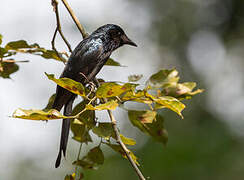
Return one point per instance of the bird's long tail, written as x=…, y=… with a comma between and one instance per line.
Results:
x=65, y=131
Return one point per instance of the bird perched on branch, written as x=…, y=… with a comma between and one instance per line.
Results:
x=85, y=62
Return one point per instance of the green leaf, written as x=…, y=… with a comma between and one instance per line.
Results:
x=50, y=54
x=118, y=149
x=38, y=114
x=50, y=103
x=144, y=116
x=23, y=47
x=85, y=164
x=94, y=158
x=87, y=117
x=134, y=78
x=3, y=51
x=110, y=105
x=163, y=78
x=96, y=155
x=7, y=68
x=139, y=96
x=112, y=89
x=70, y=177
x=80, y=131
x=21, y=44
x=111, y=62
x=104, y=130
x=69, y=84
x=155, y=129
x=170, y=103
x=127, y=141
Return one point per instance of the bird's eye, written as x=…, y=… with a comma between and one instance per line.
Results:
x=119, y=33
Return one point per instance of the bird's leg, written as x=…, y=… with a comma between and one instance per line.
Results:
x=96, y=82
x=87, y=80
x=91, y=86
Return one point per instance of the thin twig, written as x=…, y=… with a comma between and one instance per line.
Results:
x=75, y=19
x=77, y=115
x=77, y=174
x=58, y=28
x=14, y=61
x=53, y=41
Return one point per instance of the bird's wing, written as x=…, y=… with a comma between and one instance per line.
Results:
x=82, y=61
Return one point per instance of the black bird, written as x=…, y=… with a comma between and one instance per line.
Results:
x=85, y=62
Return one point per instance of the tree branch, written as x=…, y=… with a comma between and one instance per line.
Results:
x=58, y=28
x=120, y=142
x=75, y=19
x=126, y=151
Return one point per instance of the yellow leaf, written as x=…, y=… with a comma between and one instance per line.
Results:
x=69, y=84
x=38, y=114
x=112, y=89
x=128, y=141
x=138, y=96
x=170, y=103
x=163, y=78
x=110, y=105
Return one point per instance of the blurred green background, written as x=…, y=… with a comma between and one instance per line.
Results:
x=203, y=39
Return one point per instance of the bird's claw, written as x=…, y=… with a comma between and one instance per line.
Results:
x=91, y=86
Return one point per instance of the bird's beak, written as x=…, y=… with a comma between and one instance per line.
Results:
x=126, y=40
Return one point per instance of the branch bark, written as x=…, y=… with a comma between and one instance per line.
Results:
x=120, y=142
x=126, y=151
x=58, y=28
x=75, y=19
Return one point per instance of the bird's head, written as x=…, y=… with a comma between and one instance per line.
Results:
x=114, y=35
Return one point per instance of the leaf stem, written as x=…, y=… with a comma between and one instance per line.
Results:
x=77, y=115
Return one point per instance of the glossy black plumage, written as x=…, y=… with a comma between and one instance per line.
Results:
x=87, y=59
